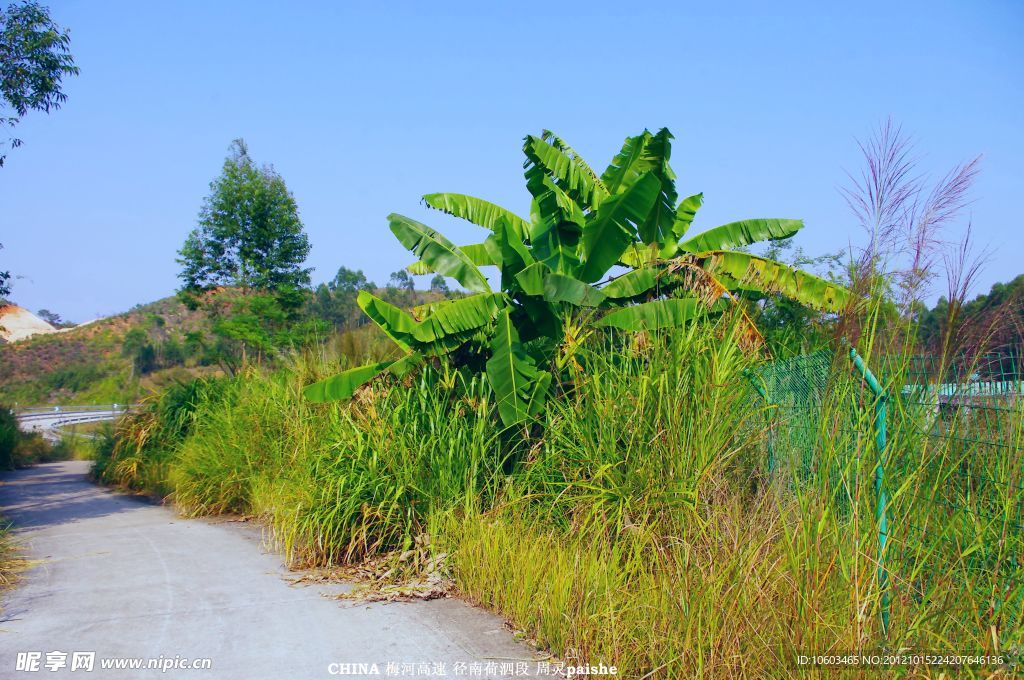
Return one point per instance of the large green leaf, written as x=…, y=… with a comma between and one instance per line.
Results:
x=568, y=170
x=561, y=288
x=558, y=225
x=344, y=385
x=506, y=248
x=614, y=226
x=771, y=277
x=631, y=284
x=685, y=212
x=627, y=166
x=478, y=211
x=531, y=278
x=739, y=234
x=657, y=227
x=519, y=386
x=438, y=252
x=476, y=252
x=649, y=316
x=405, y=364
x=560, y=144
x=458, y=316
x=396, y=323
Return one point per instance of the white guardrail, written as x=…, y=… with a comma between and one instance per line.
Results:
x=50, y=420
x=26, y=412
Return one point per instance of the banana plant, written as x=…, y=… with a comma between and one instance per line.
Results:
x=555, y=271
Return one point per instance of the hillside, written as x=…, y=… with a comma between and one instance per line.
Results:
x=124, y=357
x=17, y=323
x=86, y=363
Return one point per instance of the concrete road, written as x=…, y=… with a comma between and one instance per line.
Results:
x=125, y=578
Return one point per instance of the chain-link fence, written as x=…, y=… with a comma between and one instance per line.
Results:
x=945, y=440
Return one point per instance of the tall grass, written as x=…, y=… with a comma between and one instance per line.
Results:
x=643, y=529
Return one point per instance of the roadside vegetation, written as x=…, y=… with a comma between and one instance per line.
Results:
x=638, y=506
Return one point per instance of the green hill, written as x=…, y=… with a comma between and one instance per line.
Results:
x=87, y=363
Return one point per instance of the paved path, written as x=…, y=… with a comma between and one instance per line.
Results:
x=123, y=577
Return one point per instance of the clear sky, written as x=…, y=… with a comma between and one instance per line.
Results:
x=363, y=107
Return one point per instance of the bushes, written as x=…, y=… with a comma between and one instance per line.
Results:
x=9, y=438
x=21, y=449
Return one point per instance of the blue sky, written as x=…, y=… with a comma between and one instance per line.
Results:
x=363, y=107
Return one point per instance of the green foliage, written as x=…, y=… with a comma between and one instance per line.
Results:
x=249, y=235
x=34, y=60
x=995, y=318
x=75, y=378
x=335, y=301
x=581, y=226
x=21, y=449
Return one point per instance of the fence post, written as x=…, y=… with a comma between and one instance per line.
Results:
x=880, y=490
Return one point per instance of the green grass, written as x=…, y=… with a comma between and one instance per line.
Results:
x=642, y=530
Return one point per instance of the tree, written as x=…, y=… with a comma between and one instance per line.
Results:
x=249, y=235
x=34, y=59
x=401, y=280
x=552, y=268
x=50, y=318
x=137, y=347
x=249, y=240
x=5, y=281
x=335, y=301
x=349, y=281
x=439, y=285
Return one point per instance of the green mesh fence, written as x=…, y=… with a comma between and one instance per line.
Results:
x=950, y=491
x=958, y=490
x=794, y=390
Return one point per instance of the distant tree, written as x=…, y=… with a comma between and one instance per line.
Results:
x=249, y=239
x=335, y=301
x=349, y=281
x=195, y=345
x=137, y=347
x=439, y=285
x=400, y=289
x=172, y=352
x=249, y=235
x=35, y=57
x=402, y=281
x=5, y=281
x=50, y=318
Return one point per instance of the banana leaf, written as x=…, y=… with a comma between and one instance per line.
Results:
x=438, y=252
x=506, y=248
x=649, y=316
x=519, y=386
x=344, y=385
x=476, y=252
x=657, y=227
x=613, y=227
x=685, y=212
x=567, y=170
x=396, y=323
x=739, y=234
x=453, y=317
x=773, y=277
x=631, y=284
x=478, y=211
x=561, y=288
x=625, y=168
